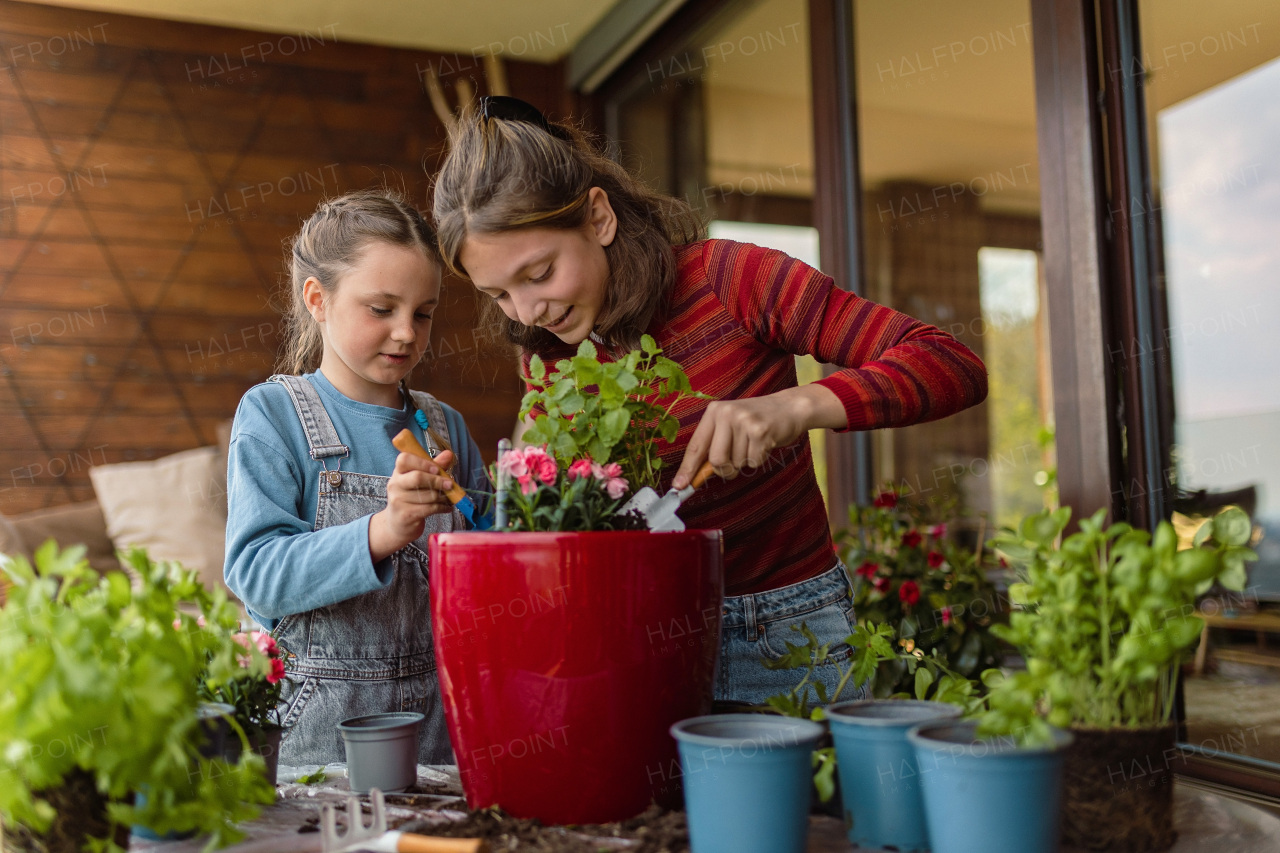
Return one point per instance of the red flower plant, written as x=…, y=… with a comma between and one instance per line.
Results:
x=267, y=645
x=254, y=694
x=867, y=570
x=946, y=616
x=886, y=500
x=909, y=592
x=938, y=531
x=911, y=539
x=881, y=585
x=935, y=560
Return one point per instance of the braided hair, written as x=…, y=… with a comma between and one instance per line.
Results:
x=328, y=246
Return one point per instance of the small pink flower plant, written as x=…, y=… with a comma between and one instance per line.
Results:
x=255, y=691
x=584, y=496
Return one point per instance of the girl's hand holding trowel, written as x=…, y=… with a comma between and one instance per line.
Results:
x=736, y=434
x=418, y=488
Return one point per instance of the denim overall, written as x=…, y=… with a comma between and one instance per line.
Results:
x=373, y=653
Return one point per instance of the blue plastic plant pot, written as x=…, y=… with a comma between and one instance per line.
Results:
x=989, y=796
x=879, y=778
x=382, y=751
x=747, y=779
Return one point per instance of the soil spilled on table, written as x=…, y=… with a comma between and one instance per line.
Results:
x=656, y=830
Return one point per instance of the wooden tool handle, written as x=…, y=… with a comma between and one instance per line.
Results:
x=410, y=843
x=699, y=478
x=405, y=442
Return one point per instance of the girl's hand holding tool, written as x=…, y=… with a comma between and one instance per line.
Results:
x=418, y=488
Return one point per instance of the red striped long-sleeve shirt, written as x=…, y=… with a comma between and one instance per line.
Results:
x=737, y=316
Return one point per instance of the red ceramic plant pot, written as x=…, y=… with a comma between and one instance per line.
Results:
x=564, y=658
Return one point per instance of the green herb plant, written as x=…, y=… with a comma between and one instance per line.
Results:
x=872, y=646
x=607, y=412
x=101, y=684
x=1105, y=619
x=315, y=778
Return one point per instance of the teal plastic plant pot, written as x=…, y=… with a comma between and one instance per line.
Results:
x=989, y=796
x=747, y=780
x=879, y=778
x=382, y=751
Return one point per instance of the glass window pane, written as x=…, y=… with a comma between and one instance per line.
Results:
x=702, y=123
x=951, y=212
x=1213, y=101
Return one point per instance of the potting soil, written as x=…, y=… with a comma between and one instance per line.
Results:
x=656, y=830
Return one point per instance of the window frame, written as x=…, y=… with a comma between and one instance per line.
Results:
x=1112, y=397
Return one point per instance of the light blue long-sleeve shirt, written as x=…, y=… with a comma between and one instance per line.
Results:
x=276, y=563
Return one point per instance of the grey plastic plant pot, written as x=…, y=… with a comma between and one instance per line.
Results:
x=382, y=751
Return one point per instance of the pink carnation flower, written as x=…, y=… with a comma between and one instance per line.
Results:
x=266, y=643
x=581, y=468
x=526, y=464
x=512, y=462
x=540, y=464
x=611, y=475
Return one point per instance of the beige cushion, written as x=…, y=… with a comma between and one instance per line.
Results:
x=71, y=524
x=175, y=507
x=10, y=539
x=10, y=546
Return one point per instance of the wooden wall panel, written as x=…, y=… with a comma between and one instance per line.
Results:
x=148, y=178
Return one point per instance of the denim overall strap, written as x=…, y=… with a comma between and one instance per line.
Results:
x=370, y=654
x=430, y=406
x=322, y=438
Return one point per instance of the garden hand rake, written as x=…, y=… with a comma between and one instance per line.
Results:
x=376, y=838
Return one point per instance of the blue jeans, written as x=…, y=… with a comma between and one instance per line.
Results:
x=757, y=627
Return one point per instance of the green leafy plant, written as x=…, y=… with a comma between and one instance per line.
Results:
x=607, y=412
x=543, y=497
x=101, y=688
x=872, y=646
x=1106, y=616
x=913, y=574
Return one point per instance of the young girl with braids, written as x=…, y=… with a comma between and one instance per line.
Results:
x=327, y=523
x=568, y=246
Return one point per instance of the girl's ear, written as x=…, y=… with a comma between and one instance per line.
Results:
x=603, y=221
x=313, y=298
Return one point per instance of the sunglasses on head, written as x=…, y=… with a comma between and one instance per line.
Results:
x=513, y=109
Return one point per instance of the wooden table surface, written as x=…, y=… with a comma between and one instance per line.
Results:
x=1207, y=822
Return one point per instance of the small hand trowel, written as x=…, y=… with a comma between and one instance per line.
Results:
x=660, y=512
